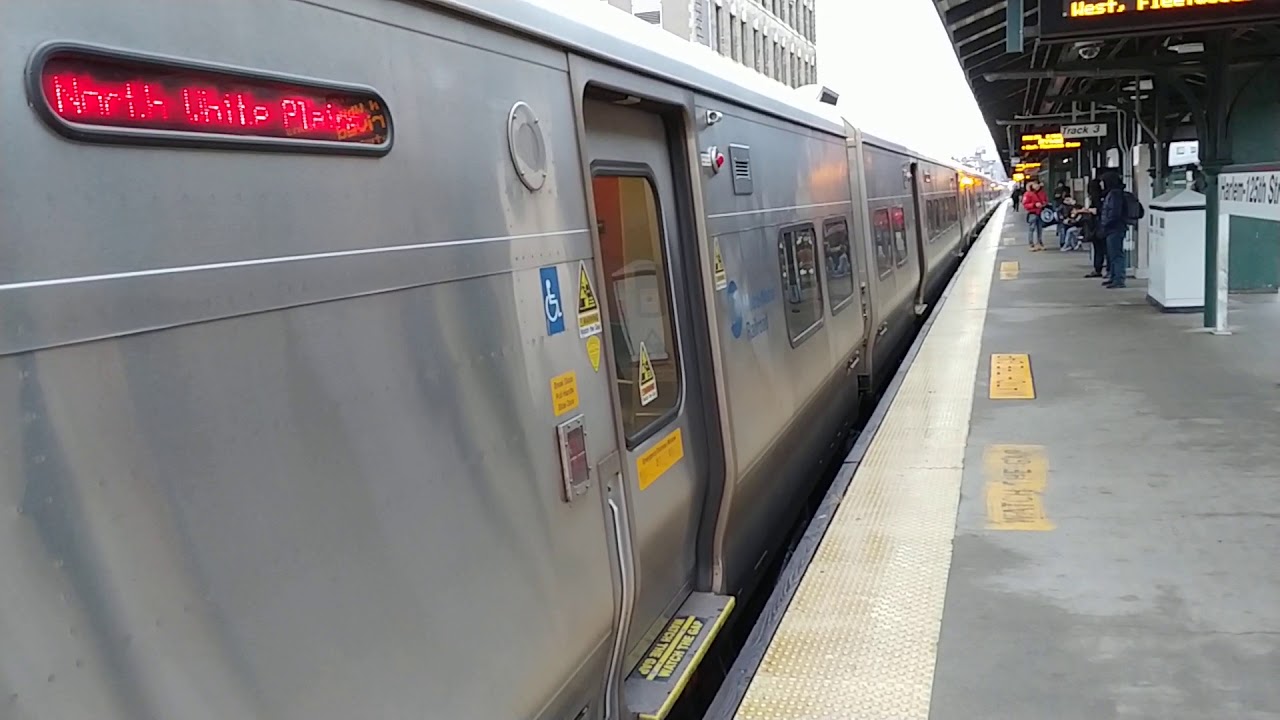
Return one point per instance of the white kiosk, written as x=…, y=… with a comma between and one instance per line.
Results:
x=1175, y=232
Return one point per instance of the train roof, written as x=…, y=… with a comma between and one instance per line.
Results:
x=904, y=150
x=597, y=29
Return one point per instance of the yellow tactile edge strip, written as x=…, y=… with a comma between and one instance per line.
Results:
x=859, y=639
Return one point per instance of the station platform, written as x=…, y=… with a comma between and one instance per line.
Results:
x=1088, y=527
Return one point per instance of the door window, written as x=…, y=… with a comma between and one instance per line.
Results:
x=884, y=241
x=646, y=357
x=839, y=260
x=899, y=235
x=798, y=261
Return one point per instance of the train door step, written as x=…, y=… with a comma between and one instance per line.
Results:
x=655, y=684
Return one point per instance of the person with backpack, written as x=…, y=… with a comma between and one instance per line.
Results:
x=1034, y=200
x=1120, y=209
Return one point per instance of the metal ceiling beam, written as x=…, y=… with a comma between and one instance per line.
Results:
x=1112, y=96
x=995, y=9
x=1009, y=61
x=1060, y=72
x=1045, y=119
x=986, y=28
x=997, y=43
x=1157, y=66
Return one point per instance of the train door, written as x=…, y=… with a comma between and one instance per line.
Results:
x=917, y=178
x=659, y=398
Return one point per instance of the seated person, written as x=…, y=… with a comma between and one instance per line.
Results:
x=1079, y=223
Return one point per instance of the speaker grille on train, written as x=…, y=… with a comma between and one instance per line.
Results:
x=740, y=161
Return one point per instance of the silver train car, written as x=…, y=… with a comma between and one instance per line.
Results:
x=457, y=359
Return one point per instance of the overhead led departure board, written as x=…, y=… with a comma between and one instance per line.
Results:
x=94, y=94
x=1047, y=142
x=1085, y=19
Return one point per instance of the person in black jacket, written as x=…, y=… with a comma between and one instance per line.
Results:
x=1096, y=237
x=1114, y=224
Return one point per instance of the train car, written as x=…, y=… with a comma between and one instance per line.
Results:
x=451, y=359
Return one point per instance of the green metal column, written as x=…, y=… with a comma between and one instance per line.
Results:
x=1211, y=208
x=1213, y=157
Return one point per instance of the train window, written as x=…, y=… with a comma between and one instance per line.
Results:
x=934, y=223
x=884, y=241
x=633, y=252
x=899, y=217
x=839, y=261
x=798, y=263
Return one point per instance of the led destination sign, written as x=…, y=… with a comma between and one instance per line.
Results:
x=93, y=94
x=1081, y=19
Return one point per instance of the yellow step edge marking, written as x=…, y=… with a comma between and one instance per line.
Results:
x=1009, y=270
x=1011, y=377
x=1017, y=476
x=694, y=662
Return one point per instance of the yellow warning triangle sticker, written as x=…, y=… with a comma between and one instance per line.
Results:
x=588, y=306
x=722, y=277
x=648, y=381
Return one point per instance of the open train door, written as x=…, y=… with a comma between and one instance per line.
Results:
x=648, y=287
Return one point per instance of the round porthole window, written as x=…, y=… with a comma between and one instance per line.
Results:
x=528, y=146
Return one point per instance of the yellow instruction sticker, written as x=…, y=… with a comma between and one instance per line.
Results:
x=564, y=392
x=593, y=352
x=670, y=649
x=660, y=458
x=648, y=380
x=588, y=306
x=722, y=277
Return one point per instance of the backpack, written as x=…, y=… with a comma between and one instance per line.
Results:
x=1133, y=210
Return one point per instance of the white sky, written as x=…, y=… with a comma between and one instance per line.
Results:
x=897, y=76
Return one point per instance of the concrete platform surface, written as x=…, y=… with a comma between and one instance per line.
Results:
x=1150, y=585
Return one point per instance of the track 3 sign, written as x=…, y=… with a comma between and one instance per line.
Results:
x=1085, y=19
x=1089, y=130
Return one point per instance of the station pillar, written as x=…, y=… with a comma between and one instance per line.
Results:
x=1211, y=122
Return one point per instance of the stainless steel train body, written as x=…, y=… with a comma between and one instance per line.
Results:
x=293, y=434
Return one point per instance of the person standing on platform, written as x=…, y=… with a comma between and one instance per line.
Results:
x=1060, y=192
x=1033, y=201
x=1114, y=225
x=1096, y=237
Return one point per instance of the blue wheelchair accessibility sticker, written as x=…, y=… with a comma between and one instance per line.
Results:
x=552, y=303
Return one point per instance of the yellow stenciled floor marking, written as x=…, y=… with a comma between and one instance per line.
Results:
x=1017, y=476
x=859, y=639
x=1011, y=377
x=1009, y=270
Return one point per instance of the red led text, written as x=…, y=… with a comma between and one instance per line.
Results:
x=172, y=103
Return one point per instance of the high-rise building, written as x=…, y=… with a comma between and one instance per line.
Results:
x=777, y=38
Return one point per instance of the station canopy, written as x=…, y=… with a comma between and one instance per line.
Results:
x=1078, y=54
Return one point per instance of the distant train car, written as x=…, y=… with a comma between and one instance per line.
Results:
x=451, y=359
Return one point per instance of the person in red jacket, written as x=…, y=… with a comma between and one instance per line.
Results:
x=1033, y=201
